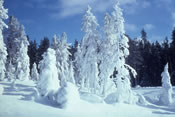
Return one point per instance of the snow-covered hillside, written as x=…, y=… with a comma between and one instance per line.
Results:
x=20, y=102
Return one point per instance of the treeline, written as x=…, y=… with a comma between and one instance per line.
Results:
x=147, y=58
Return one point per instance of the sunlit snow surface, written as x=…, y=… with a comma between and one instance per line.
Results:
x=20, y=102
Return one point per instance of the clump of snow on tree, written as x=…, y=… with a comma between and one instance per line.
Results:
x=166, y=92
x=48, y=83
x=68, y=96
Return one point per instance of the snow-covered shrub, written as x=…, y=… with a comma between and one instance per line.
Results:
x=48, y=83
x=68, y=96
x=34, y=73
x=166, y=92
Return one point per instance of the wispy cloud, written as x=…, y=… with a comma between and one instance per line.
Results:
x=130, y=27
x=148, y=26
x=74, y=7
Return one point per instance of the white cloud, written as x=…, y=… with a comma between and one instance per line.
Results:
x=74, y=7
x=148, y=26
x=66, y=8
x=130, y=27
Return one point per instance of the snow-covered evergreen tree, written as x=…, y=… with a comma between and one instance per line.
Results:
x=10, y=72
x=3, y=50
x=11, y=35
x=78, y=66
x=89, y=48
x=122, y=80
x=113, y=52
x=22, y=68
x=107, y=55
x=62, y=58
x=48, y=83
x=34, y=73
x=166, y=94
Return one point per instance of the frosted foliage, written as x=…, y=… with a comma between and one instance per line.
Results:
x=62, y=58
x=12, y=35
x=3, y=15
x=3, y=51
x=88, y=56
x=10, y=72
x=3, y=55
x=48, y=83
x=71, y=73
x=113, y=53
x=22, y=69
x=68, y=96
x=34, y=73
x=55, y=42
x=89, y=21
x=78, y=65
x=166, y=95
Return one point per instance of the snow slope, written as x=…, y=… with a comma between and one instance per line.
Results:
x=21, y=103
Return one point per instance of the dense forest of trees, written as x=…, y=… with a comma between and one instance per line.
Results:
x=147, y=58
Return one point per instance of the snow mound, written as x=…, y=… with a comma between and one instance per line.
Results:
x=68, y=96
x=91, y=97
x=1, y=90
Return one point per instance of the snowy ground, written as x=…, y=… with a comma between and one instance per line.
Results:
x=21, y=103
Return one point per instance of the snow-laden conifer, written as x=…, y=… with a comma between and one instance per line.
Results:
x=166, y=94
x=62, y=59
x=89, y=48
x=107, y=55
x=3, y=50
x=11, y=36
x=48, y=83
x=34, y=73
x=10, y=72
x=122, y=80
x=22, y=62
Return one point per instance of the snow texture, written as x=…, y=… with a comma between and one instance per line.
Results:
x=13, y=104
x=68, y=96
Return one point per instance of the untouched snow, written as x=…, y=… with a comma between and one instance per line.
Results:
x=21, y=103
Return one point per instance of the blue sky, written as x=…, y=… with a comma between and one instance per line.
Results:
x=48, y=17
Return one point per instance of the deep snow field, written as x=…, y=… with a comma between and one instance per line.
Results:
x=20, y=102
